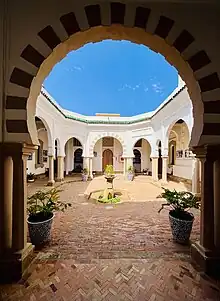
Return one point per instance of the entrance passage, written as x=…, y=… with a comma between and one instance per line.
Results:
x=160, y=161
x=78, y=160
x=107, y=158
x=137, y=161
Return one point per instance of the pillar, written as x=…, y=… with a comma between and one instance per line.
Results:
x=206, y=252
x=69, y=156
x=196, y=177
x=125, y=167
x=164, y=169
x=217, y=205
x=15, y=252
x=90, y=168
x=51, y=171
x=87, y=163
x=60, y=169
x=155, y=168
x=129, y=162
x=7, y=206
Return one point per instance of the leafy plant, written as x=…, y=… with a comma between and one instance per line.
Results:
x=30, y=176
x=85, y=171
x=42, y=204
x=109, y=171
x=110, y=199
x=179, y=202
x=130, y=169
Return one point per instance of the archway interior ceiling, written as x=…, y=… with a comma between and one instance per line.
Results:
x=163, y=29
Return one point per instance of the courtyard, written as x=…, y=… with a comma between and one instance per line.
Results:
x=118, y=251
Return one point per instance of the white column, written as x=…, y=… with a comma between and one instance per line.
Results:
x=125, y=167
x=69, y=156
x=196, y=176
x=164, y=169
x=129, y=162
x=60, y=168
x=86, y=162
x=51, y=171
x=155, y=168
x=90, y=168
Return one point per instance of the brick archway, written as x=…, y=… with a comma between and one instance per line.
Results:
x=114, y=21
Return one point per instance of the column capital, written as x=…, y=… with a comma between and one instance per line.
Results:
x=28, y=149
x=208, y=151
x=154, y=157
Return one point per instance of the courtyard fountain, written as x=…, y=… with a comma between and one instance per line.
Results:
x=108, y=195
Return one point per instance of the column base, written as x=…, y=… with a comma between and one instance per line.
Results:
x=50, y=183
x=207, y=260
x=13, y=266
x=60, y=180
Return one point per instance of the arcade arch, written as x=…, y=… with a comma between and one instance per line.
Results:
x=107, y=150
x=142, y=153
x=74, y=156
x=179, y=156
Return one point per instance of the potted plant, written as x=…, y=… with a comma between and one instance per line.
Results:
x=85, y=174
x=130, y=174
x=146, y=171
x=181, y=220
x=41, y=207
x=30, y=177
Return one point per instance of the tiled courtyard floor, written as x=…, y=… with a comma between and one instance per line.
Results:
x=112, y=252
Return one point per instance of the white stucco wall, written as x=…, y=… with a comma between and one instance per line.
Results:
x=31, y=168
x=97, y=161
x=183, y=168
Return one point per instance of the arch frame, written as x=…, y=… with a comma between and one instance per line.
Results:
x=49, y=132
x=103, y=135
x=169, y=129
x=147, y=140
x=156, y=39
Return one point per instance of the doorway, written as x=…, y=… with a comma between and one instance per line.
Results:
x=137, y=161
x=107, y=158
x=78, y=160
x=160, y=161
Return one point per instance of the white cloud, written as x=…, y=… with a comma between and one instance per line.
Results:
x=74, y=68
x=157, y=88
x=78, y=68
x=135, y=87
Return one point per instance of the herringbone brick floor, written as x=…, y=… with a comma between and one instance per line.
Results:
x=120, y=252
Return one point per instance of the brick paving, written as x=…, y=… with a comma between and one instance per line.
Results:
x=112, y=252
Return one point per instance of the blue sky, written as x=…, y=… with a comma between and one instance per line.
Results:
x=111, y=77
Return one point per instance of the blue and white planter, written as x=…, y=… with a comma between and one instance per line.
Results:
x=181, y=229
x=85, y=177
x=40, y=231
x=130, y=176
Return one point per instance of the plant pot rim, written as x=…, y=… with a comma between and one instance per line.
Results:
x=42, y=222
x=182, y=220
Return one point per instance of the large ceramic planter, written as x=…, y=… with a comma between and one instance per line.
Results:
x=84, y=178
x=40, y=231
x=181, y=228
x=30, y=180
x=130, y=176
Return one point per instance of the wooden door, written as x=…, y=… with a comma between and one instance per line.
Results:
x=107, y=158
